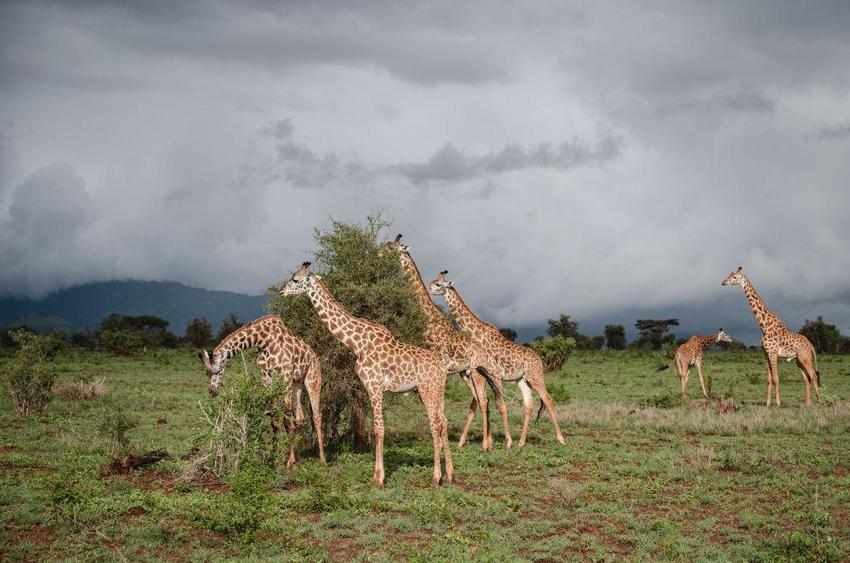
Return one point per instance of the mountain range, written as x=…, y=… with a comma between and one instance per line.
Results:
x=83, y=306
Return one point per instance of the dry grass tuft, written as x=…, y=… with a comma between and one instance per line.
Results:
x=82, y=391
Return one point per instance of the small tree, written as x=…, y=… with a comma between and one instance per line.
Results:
x=554, y=351
x=825, y=337
x=615, y=337
x=509, y=333
x=231, y=324
x=653, y=333
x=370, y=285
x=563, y=326
x=29, y=376
x=199, y=333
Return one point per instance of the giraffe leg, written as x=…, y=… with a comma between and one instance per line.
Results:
x=503, y=412
x=772, y=378
x=527, y=407
x=313, y=382
x=810, y=377
x=473, y=407
x=377, y=400
x=769, y=378
x=444, y=422
x=480, y=390
x=435, y=421
x=684, y=372
x=539, y=385
x=701, y=382
x=291, y=422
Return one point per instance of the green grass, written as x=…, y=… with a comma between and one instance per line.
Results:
x=632, y=481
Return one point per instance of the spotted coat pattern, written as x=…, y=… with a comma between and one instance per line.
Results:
x=691, y=353
x=779, y=341
x=458, y=351
x=282, y=354
x=517, y=363
x=384, y=363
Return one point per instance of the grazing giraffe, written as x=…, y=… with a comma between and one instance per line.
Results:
x=518, y=363
x=690, y=354
x=281, y=353
x=383, y=364
x=779, y=341
x=459, y=353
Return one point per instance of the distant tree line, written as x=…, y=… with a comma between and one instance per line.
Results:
x=130, y=334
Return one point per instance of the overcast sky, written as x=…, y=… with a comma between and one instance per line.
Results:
x=607, y=160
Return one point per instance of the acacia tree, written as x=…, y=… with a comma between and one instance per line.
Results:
x=653, y=333
x=369, y=285
x=615, y=337
x=825, y=337
x=199, y=333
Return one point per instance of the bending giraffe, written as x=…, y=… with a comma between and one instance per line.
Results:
x=690, y=354
x=383, y=364
x=458, y=352
x=283, y=354
x=779, y=341
x=518, y=363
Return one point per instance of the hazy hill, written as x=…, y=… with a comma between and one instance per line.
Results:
x=85, y=305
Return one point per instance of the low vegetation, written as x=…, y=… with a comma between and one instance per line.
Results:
x=634, y=480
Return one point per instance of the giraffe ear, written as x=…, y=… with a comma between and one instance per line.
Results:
x=738, y=270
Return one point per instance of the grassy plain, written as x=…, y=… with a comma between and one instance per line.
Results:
x=638, y=478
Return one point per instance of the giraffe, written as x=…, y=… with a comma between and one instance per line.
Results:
x=690, y=354
x=519, y=363
x=281, y=353
x=779, y=341
x=383, y=364
x=458, y=351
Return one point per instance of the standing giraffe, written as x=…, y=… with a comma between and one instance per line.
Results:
x=383, y=364
x=779, y=341
x=281, y=353
x=690, y=354
x=518, y=363
x=458, y=351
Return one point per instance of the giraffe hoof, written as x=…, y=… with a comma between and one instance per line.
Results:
x=450, y=477
x=436, y=481
x=508, y=444
x=561, y=440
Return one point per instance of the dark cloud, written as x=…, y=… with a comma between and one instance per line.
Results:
x=603, y=160
x=450, y=164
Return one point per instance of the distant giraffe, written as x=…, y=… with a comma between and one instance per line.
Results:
x=283, y=354
x=518, y=363
x=690, y=354
x=383, y=364
x=458, y=351
x=779, y=341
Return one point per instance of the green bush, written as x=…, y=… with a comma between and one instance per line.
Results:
x=371, y=285
x=554, y=351
x=240, y=512
x=121, y=342
x=237, y=429
x=666, y=401
x=112, y=427
x=29, y=376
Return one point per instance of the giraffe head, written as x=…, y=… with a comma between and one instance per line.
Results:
x=439, y=285
x=723, y=337
x=300, y=282
x=213, y=368
x=394, y=245
x=734, y=278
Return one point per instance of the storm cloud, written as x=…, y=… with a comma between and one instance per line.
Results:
x=604, y=160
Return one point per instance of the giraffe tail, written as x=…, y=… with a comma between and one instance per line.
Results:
x=662, y=368
x=490, y=381
x=817, y=373
x=539, y=411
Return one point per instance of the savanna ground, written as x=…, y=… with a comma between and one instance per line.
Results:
x=639, y=477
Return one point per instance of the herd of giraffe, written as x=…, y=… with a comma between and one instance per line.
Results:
x=478, y=352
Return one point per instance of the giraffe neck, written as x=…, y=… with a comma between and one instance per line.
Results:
x=462, y=314
x=764, y=316
x=432, y=312
x=707, y=342
x=337, y=319
x=233, y=344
